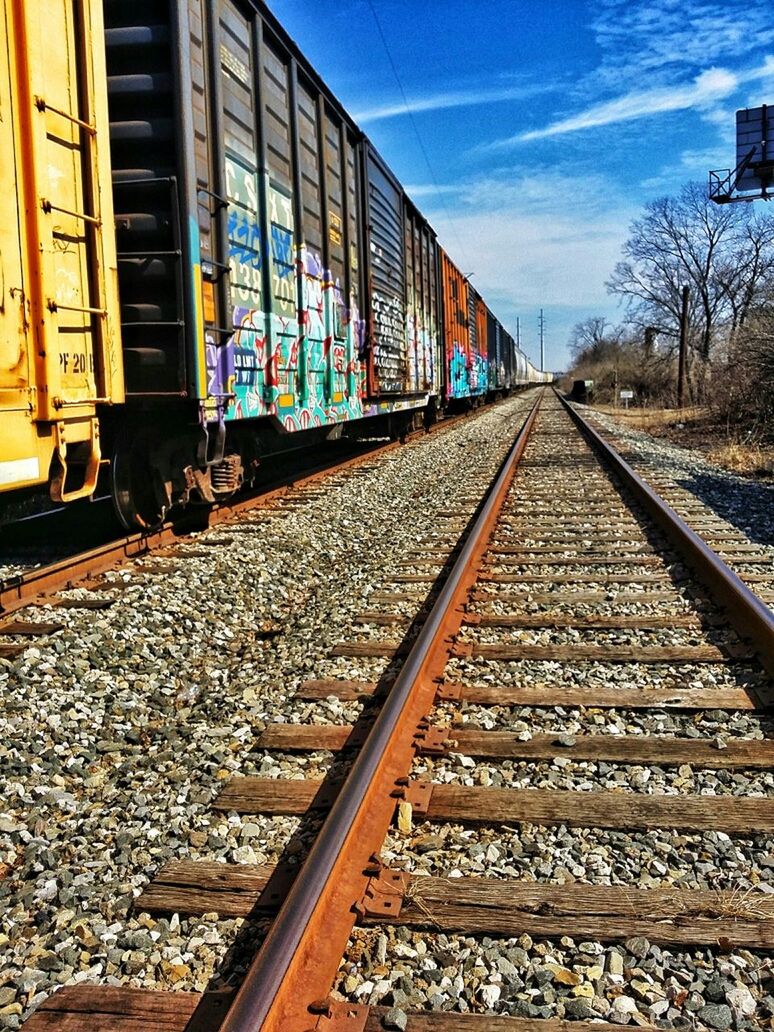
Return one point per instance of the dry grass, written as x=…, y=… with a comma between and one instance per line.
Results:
x=650, y=419
x=737, y=904
x=747, y=459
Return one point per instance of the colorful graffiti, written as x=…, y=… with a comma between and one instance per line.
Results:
x=296, y=354
x=421, y=351
x=468, y=374
x=390, y=351
x=298, y=347
x=478, y=373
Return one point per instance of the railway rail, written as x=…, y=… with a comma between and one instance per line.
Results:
x=22, y=587
x=606, y=602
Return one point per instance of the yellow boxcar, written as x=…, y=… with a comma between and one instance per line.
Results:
x=60, y=351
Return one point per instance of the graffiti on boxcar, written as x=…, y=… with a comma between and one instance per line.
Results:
x=421, y=350
x=299, y=356
x=477, y=371
x=458, y=373
x=244, y=235
x=389, y=342
x=283, y=265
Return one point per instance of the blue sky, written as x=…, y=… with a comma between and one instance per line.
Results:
x=546, y=126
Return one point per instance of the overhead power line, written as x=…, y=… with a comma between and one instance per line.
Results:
x=415, y=127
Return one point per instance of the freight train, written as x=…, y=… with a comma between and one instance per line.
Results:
x=202, y=257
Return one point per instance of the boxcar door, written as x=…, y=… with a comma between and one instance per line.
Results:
x=388, y=360
x=19, y=463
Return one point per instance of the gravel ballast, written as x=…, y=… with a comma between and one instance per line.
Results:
x=117, y=733
x=636, y=981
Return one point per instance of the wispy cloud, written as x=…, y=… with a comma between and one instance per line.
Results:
x=451, y=99
x=658, y=39
x=517, y=227
x=711, y=86
x=431, y=190
x=522, y=238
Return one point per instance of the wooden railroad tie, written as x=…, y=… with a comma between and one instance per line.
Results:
x=483, y=906
x=560, y=653
x=659, y=750
x=624, y=621
x=11, y=651
x=549, y=695
x=578, y=548
x=642, y=622
x=607, y=653
x=101, y=1008
x=547, y=579
x=573, y=597
x=29, y=629
x=474, y=805
x=577, y=559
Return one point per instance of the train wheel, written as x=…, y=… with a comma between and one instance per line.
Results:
x=131, y=482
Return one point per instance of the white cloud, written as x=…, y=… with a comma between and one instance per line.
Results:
x=430, y=190
x=533, y=240
x=708, y=89
x=450, y=99
x=657, y=39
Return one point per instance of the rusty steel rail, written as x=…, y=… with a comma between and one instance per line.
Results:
x=290, y=978
x=20, y=590
x=749, y=615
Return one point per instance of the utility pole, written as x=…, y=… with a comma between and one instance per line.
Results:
x=681, y=363
x=542, y=324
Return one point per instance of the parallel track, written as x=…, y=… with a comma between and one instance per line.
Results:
x=527, y=586
x=23, y=589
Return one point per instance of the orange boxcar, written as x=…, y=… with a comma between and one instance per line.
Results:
x=456, y=329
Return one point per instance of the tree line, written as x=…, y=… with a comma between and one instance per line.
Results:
x=724, y=255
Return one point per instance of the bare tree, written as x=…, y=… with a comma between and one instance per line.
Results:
x=619, y=356
x=590, y=334
x=747, y=272
x=725, y=254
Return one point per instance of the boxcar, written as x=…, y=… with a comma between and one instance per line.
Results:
x=496, y=337
x=465, y=364
x=482, y=342
x=423, y=315
x=261, y=252
x=258, y=272
x=237, y=196
x=400, y=257
x=510, y=360
x=60, y=360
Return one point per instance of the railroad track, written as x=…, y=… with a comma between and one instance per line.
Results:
x=24, y=582
x=576, y=597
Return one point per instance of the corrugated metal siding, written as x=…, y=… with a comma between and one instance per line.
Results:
x=244, y=245
x=354, y=243
x=482, y=339
x=279, y=361
x=422, y=304
x=456, y=329
x=311, y=201
x=59, y=350
x=509, y=358
x=203, y=158
x=494, y=352
x=388, y=358
x=477, y=361
x=473, y=321
x=242, y=250
x=147, y=186
x=342, y=350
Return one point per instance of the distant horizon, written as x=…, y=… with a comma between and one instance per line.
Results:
x=547, y=129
